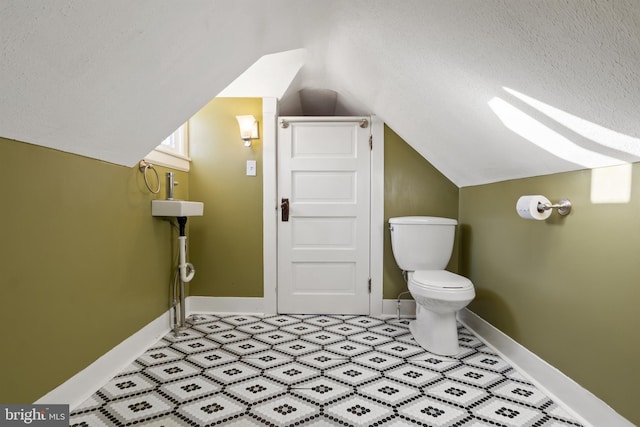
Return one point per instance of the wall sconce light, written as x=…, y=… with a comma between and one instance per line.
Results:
x=248, y=129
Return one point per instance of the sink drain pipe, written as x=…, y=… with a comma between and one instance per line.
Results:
x=185, y=273
x=186, y=268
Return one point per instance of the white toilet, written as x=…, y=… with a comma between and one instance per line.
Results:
x=422, y=247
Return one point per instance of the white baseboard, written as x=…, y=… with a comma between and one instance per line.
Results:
x=390, y=308
x=578, y=401
x=223, y=305
x=81, y=386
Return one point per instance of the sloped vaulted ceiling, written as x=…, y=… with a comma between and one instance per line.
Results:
x=485, y=90
x=439, y=73
x=111, y=79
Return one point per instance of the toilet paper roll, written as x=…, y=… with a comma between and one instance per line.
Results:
x=527, y=207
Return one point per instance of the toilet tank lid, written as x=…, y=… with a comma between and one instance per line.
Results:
x=422, y=220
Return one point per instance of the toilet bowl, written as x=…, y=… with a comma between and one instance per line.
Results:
x=422, y=247
x=439, y=294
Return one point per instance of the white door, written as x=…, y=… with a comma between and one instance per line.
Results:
x=323, y=245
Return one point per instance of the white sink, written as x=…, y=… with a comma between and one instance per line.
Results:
x=176, y=208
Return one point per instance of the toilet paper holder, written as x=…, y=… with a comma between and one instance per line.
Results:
x=563, y=206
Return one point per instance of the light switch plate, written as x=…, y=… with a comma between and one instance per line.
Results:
x=251, y=168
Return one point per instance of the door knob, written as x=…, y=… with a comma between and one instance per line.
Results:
x=284, y=206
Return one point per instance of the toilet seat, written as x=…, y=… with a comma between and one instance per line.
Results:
x=440, y=280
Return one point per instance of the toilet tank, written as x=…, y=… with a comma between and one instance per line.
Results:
x=422, y=242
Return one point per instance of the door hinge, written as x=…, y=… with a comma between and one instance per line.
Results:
x=369, y=284
x=370, y=142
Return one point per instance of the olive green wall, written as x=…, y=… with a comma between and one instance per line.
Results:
x=84, y=264
x=226, y=243
x=412, y=186
x=567, y=288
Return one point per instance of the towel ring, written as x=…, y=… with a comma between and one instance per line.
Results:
x=144, y=166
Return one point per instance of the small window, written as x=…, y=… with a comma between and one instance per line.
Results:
x=173, y=152
x=176, y=143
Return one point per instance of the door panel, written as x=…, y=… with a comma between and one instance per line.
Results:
x=323, y=250
x=323, y=278
x=323, y=141
x=322, y=233
x=323, y=187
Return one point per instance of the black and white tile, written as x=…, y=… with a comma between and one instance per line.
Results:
x=298, y=370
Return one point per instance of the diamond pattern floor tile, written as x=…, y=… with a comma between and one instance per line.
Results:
x=211, y=410
x=314, y=370
x=345, y=329
x=364, y=321
x=323, y=359
x=508, y=413
x=526, y=394
x=172, y=371
x=281, y=320
x=322, y=390
x=138, y=408
x=456, y=393
x=159, y=355
x=389, y=392
x=348, y=348
x=190, y=388
x=127, y=385
x=474, y=376
x=297, y=348
x=414, y=375
x=291, y=373
x=323, y=337
x=370, y=338
x=267, y=359
x=379, y=361
x=212, y=328
x=275, y=337
x=358, y=411
x=195, y=346
x=432, y=412
x=256, y=389
x=212, y=358
x=245, y=347
x=488, y=361
x=228, y=336
x=285, y=411
x=353, y=374
x=300, y=328
x=403, y=350
x=432, y=361
x=257, y=328
x=232, y=372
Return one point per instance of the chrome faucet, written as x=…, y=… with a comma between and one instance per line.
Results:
x=170, y=184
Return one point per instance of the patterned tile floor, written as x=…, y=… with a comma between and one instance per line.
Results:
x=288, y=370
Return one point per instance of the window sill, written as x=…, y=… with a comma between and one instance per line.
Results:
x=170, y=160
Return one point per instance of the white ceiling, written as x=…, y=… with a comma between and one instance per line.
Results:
x=485, y=90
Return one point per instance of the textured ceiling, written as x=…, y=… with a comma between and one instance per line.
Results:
x=485, y=90
x=111, y=79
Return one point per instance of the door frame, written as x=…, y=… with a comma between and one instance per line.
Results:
x=270, y=210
